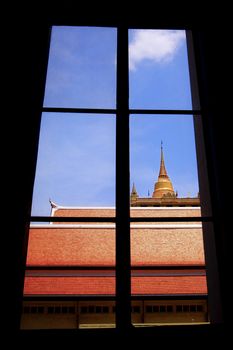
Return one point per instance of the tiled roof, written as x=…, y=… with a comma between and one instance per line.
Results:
x=158, y=285
x=134, y=212
x=72, y=245
x=84, y=212
x=91, y=246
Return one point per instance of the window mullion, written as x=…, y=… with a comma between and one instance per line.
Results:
x=123, y=288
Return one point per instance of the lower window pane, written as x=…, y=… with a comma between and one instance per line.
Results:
x=168, y=276
x=72, y=314
x=70, y=276
x=169, y=311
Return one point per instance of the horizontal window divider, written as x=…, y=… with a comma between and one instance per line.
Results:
x=164, y=111
x=113, y=219
x=79, y=110
x=106, y=273
x=97, y=268
x=114, y=110
x=167, y=273
x=62, y=297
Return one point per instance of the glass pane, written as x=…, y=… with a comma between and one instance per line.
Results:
x=158, y=70
x=82, y=68
x=167, y=254
x=76, y=162
x=84, y=245
x=52, y=315
x=70, y=277
x=174, y=137
x=153, y=312
x=168, y=271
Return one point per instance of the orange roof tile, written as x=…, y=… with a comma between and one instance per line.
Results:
x=84, y=212
x=90, y=246
x=70, y=245
x=134, y=212
x=171, y=285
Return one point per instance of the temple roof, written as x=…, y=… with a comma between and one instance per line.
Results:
x=105, y=285
x=70, y=245
x=165, y=211
x=78, y=258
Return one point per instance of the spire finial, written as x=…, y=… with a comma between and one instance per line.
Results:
x=163, y=187
x=162, y=170
x=134, y=188
x=134, y=193
x=53, y=205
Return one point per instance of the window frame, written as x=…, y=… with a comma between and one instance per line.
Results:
x=122, y=219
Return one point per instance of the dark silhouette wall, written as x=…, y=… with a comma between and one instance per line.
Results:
x=28, y=59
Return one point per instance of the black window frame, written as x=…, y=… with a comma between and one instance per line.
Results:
x=123, y=268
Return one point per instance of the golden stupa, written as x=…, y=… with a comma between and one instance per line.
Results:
x=163, y=187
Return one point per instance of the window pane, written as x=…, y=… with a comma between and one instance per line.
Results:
x=178, y=143
x=158, y=70
x=72, y=314
x=71, y=245
x=167, y=257
x=71, y=269
x=82, y=69
x=170, y=311
x=76, y=162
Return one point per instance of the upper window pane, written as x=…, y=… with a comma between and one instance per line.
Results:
x=82, y=70
x=158, y=70
x=76, y=161
x=177, y=149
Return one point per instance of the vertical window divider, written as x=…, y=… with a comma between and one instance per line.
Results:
x=123, y=282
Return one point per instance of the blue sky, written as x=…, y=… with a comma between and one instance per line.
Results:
x=76, y=157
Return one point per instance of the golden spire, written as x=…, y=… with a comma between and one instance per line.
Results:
x=163, y=187
x=134, y=193
x=162, y=171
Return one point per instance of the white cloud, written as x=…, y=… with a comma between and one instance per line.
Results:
x=158, y=46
